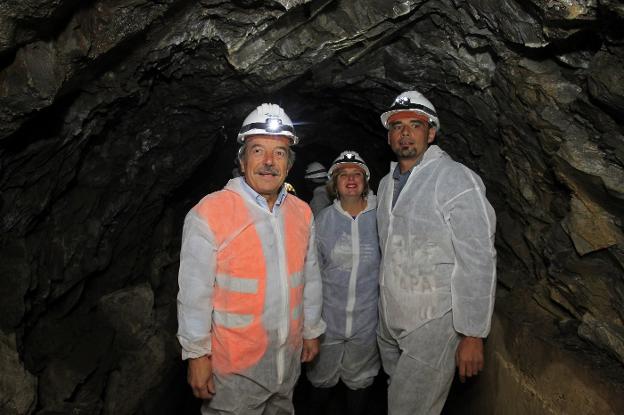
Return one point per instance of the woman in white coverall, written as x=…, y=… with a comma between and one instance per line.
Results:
x=349, y=258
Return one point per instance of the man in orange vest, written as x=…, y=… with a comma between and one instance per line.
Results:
x=249, y=304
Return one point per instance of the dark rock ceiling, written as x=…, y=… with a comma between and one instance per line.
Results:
x=116, y=116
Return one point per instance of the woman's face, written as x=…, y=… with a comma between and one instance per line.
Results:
x=350, y=183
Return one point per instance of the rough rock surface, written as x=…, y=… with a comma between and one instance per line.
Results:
x=18, y=387
x=116, y=116
x=535, y=369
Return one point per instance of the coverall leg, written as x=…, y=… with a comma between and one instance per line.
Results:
x=421, y=366
x=355, y=362
x=240, y=395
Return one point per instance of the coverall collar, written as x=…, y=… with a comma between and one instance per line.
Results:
x=433, y=152
x=239, y=184
x=371, y=203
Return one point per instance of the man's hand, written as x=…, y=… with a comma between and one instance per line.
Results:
x=310, y=349
x=200, y=377
x=469, y=357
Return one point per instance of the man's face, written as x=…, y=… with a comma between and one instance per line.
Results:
x=409, y=137
x=265, y=164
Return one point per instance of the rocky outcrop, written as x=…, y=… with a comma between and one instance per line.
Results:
x=528, y=372
x=116, y=116
x=18, y=387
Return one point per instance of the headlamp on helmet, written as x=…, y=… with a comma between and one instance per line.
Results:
x=412, y=101
x=349, y=157
x=268, y=119
x=273, y=124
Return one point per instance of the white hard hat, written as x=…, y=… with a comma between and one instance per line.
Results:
x=412, y=101
x=268, y=119
x=315, y=170
x=349, y=157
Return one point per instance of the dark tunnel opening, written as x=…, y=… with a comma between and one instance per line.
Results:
x=116, y=118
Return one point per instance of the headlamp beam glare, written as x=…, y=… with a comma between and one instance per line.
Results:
x=273, y=124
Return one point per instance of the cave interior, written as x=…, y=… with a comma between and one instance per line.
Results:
x=116, y=117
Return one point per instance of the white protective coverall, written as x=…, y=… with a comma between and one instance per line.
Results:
x=349, y=256
x=320, y=199
x=437, y=280
x=249, y=280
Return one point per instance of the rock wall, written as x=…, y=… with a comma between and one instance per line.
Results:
x=116, y=116
x=531, y=369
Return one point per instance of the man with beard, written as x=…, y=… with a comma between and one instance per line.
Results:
x=438, y=271
x=249, y=304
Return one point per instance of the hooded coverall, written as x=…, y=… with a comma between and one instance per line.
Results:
x=437, y=280
x=250, y=291
x=349, y=256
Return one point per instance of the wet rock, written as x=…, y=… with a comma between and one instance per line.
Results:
x=18, y=387
x=139, y=372
x=591, y=228
x=511, y=21
x=129, y=312
x=607, y=334
x=16, y=272
x=41, y=69
x=523, y=382
x=606, y=82
x=23, y=20
x=147, y=353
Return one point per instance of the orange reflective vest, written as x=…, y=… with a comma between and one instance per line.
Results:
x=239, y=338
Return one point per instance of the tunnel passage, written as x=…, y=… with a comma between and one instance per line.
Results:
x=116, y=117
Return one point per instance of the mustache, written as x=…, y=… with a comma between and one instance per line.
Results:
x=268, y=170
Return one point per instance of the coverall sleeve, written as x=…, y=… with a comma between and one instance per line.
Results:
x=472, y=224
x=198, y=257
x=313, y=324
